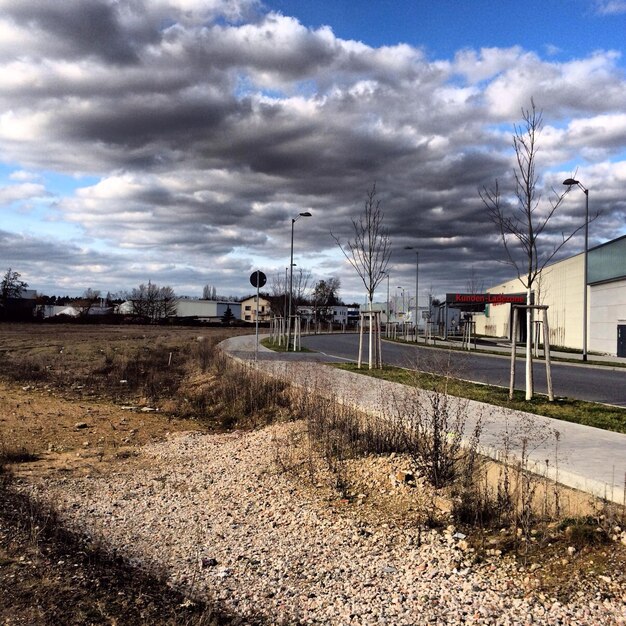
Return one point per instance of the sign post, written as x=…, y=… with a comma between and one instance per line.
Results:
x=257, y=279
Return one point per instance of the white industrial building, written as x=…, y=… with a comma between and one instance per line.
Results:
x=337, y=314
x=206, y=310
x=194, y=308
x=560, y=287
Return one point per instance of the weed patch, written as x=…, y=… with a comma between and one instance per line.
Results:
x=577, y=411
x=225, y=393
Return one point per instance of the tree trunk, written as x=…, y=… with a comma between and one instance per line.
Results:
x=529, y=353
x=371, y=337
x=361, y=321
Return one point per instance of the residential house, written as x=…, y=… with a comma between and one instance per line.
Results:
x=249, y=309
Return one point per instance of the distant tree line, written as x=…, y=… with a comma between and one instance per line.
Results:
x=152, y=303
x=322, y=296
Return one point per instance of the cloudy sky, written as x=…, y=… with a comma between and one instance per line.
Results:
x=174, y=140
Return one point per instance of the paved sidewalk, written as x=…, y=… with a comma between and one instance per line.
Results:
x=586, y=458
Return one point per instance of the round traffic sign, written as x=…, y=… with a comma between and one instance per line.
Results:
x=258, y=279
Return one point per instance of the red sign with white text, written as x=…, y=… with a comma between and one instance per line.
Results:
x=485, y=298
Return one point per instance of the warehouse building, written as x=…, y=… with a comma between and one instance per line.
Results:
x=560, y=286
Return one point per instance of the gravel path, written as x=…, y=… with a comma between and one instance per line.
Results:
x=216, y=513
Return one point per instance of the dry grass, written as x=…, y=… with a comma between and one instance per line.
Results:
x=63, y=408
x=504, y=506
x=58, y=376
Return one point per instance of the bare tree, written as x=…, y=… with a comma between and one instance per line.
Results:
x=87, y=301
x=474, y=283
x=209, y=293
x=325, y=296
x=11, y=286
x=279, y=289
x=301, y=286
x=370, y=250
x=166, y=302
x=523, y=221
x=140, y=300
x=153, y=302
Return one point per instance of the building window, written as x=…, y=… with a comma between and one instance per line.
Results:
x=248, y=307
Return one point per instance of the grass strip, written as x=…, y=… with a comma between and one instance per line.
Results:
x=578, y=411
x=273, y=345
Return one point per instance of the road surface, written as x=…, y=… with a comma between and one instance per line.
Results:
x=583, y=382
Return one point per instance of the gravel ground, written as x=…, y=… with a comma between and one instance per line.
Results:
x=221, y=518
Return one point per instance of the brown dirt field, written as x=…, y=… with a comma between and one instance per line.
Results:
x=85, y=399
x=56, y=415
x=60, y=414
x=70, y=435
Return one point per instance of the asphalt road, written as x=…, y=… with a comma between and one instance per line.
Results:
x=584, y=382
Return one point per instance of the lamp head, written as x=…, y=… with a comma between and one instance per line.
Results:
x=303, y=214
x=570, y=182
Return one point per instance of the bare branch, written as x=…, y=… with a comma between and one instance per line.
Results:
x=522, y=226
x=370, y=250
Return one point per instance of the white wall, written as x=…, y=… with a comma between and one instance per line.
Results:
x=608, y=309
x=560, y=287
x=206, y=309
x=196, y=308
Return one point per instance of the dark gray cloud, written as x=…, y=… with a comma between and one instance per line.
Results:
x=81, y=28
x=209, y=125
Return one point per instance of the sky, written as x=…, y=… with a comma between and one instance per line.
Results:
x=176, y=140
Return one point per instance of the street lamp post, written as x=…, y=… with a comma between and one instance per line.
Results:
x=403, y=313
x=417, y=283
x=388, y=306
x=285, y=304
x=293, y=221
x=570, y=182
